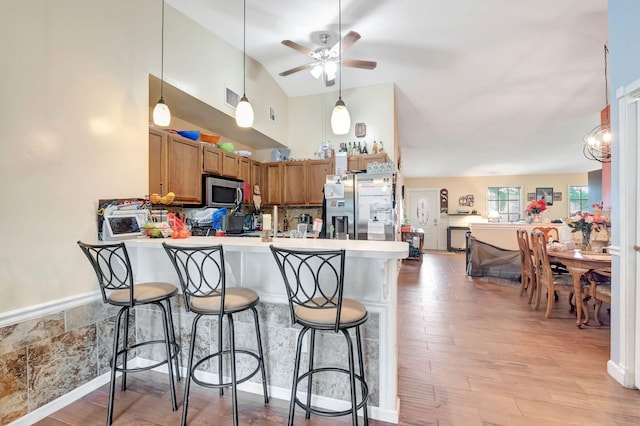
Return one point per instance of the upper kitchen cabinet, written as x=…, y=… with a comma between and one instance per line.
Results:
x=294, y=177
x=359, y=162
x=229, y=165
x=317, y=171
x=212, y=159
x=175, y=165
x=272, y=183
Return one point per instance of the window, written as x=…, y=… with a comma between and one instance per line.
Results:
x=578, y=199
x=506, y=200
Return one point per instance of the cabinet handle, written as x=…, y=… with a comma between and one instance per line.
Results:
x=636, y=247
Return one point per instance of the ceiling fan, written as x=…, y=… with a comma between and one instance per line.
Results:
x=325, y=58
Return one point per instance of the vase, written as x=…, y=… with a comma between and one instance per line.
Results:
x=586, y=240
x=536, y=218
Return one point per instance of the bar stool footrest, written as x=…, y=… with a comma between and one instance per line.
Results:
x=125, y=369
x=329, y=413
x=225, y=384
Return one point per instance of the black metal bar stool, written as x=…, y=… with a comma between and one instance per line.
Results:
x=315, y=282
x=202, y=276
x=113, y=269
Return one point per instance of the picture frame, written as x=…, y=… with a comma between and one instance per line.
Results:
x=360, y=130
x=531, y=196
x=557, y=196
x=545, y=194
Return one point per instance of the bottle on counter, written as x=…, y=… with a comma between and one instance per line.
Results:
x=374, y=148
x=381, y=149
x=359, y=148
x=364, y=148
x=285, y=224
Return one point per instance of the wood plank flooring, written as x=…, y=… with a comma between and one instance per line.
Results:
x=471, y=352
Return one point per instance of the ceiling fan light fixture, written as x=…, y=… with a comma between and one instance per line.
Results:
x=316, y=71
x=244, y=113
x=340, y=118
x=331, y=68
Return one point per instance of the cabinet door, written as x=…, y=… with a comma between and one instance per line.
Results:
x=212, y=160
x=273, y=184
x=256, y=173
x=294, y=183
x=244, y=173
x=184, y=168
x=317, y=171
x=157, y=161
x=229, y=164
x=372, y=158
x=353, y=162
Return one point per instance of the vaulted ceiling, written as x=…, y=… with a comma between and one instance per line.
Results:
x=491, y=87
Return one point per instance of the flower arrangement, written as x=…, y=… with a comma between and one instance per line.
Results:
x=586, y=222
x=536, y=206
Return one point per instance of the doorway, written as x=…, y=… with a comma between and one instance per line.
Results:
x=423, y=211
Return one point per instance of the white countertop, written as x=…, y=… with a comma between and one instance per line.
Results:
x=358, y=248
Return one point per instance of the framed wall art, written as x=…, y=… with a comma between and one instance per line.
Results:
x=557, y=196
x=545, y=194
x=531, y=196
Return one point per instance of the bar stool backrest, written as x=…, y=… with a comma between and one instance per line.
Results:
x=200, y=270
x=112, y=267
x=313, y=279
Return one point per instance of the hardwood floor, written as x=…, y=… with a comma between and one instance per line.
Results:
x=471, y=352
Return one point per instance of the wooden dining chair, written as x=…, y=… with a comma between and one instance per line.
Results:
x=600, y=290
x=550, y=233
x=527, y=272
x=545, y=277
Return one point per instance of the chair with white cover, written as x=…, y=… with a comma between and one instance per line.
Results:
x=113, y=269
x=201, y=271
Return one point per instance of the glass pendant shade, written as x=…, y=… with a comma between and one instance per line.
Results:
x=161, y=114
x=244, y=113
x=316, y=71
x=340, y=118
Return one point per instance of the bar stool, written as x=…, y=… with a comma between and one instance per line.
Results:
x=314, y=281
x=113, y=269
x=201, y=271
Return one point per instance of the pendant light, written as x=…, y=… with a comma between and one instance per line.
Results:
x=340, y=118
x=244, y=111
x=161, y=113
x=597, y=143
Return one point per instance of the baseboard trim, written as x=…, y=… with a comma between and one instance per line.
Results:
x=621, y=375
x=389, y=416
x=63, y=401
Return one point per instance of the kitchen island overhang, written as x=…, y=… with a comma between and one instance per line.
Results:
x=371, y=274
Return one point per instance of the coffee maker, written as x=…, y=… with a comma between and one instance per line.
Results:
x=307, y=220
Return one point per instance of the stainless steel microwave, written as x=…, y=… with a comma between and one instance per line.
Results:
x=220, y=192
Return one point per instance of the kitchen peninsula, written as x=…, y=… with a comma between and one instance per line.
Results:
x=370, y=277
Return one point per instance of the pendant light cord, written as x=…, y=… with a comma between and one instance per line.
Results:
x=244, y=49
x=340, y=47
x=162, y=56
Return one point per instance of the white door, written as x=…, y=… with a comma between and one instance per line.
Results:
x=423, y=211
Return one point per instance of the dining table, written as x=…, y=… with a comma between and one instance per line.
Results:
x=578, y=263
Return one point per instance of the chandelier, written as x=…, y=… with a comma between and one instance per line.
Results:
x=597, y=143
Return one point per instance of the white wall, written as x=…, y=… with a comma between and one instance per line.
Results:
x=74, y=108
x=309, y=118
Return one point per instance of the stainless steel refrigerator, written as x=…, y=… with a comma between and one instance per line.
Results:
x=361, y=206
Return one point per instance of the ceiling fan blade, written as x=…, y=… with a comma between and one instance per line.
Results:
x=296, y=69
x=349, y=38
x=356, y=63
x=299, y=48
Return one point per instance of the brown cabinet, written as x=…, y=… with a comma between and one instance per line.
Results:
x=359, y=162
x=229, y=164
x=212, y=159
x=317, y=171
x=272, y=183
x=294, y=182
x=175, y=165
